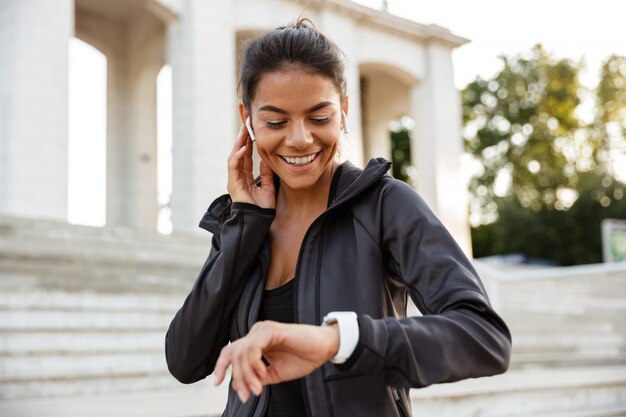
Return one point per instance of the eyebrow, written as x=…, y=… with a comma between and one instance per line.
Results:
x=269, y=107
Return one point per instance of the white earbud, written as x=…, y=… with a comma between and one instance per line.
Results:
x=345, y=121
x=250, y=131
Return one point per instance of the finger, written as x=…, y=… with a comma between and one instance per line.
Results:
x=235, y=182
x=240, y=142
x=248, y=371
x=239, y=383
x=267, y=177
x=240, y=139
x=248, y=164
x=235, y=160
x=223, y=361
x=260, y=369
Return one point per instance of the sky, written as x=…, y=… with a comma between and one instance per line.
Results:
x=575, y=29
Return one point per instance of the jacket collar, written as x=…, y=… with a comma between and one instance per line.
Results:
x=354, y=180
x=351, y=181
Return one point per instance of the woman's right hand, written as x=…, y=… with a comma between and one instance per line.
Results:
x=241, y=185
x=292, y=351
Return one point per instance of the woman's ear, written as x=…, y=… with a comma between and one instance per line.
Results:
x=344, y=115
x=243, y=112
x=245, y=119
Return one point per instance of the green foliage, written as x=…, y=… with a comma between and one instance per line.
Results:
x=401, y=154
x=545, y=182
x=569, y=238
x=611, y=91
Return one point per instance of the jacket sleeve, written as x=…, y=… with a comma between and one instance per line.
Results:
x=459, y=336
x=200, y=328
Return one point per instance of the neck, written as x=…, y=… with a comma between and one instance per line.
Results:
x=305, y=202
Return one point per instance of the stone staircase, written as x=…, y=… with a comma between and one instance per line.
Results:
x=84, y=311
x=562, y=317
x=571, y=392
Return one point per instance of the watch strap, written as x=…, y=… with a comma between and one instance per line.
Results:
x=348, y=326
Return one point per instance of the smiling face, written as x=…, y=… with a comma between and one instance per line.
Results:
x=296, y=117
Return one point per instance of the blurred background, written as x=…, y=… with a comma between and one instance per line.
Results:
x=116, y=119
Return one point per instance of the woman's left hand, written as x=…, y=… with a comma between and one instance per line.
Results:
x=293, y=351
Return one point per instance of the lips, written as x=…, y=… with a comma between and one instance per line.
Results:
x=300, y=160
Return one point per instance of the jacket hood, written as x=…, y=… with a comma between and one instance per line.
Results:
x=351, y=182
x=354, y=180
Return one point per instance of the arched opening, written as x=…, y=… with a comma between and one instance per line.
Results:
x=385, y=103
x=87, y=133
x=164, y=149
x=400, y=137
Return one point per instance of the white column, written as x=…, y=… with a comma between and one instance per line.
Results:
x=202, y=56
x=342, y=31
x=437, y=146
x=34, y=35
x=131, y=130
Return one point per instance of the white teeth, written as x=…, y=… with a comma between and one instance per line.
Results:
x=299, y=160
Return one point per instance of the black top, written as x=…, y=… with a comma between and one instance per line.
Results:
x=286, y=398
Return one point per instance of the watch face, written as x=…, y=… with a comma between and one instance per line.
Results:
x=329, y=320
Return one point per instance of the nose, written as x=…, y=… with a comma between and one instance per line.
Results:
x=299, y=137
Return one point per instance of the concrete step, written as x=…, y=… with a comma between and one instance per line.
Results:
x=36, y=234
x=611, y=343
x=616, y=411
x=592, y=391
x=562, y=323
x=581, y=392
x=40, y=254
x=19, y=320
x=583, y=282
x=20, y=368
x=105, y=277
x=563, y=360
x=159, y=383
x=90, y=341
x=173, y=400
x=38, y=299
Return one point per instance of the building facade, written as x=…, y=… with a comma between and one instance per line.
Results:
x=395, y=68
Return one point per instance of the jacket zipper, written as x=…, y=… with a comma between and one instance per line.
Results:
x=247, y=329
x=398, y=400
x=307, y=405
x=249, y=306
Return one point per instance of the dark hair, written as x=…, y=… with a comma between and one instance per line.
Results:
x=300, y=45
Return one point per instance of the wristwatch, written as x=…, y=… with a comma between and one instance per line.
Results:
x=348, y=333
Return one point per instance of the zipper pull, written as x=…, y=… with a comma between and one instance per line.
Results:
x=394, y=393
x=398, y=400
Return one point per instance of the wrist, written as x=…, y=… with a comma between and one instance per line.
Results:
x=332, y=336
x=347, y=326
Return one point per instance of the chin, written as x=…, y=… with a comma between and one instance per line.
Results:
x=303, y=181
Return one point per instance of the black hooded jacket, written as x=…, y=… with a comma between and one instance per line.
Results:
x=376, y=244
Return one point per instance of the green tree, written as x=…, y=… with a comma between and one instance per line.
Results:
x=543, y=185
x=611, y=91
x=401, y=154
x=610, y=121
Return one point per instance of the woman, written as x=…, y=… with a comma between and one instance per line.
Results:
x=319, y=242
